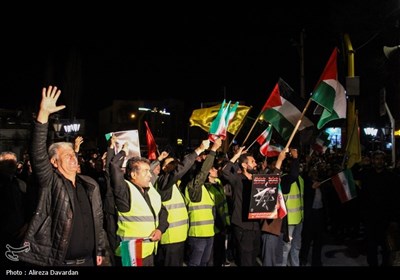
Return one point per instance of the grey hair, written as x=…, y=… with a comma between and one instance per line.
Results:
x=52, y=151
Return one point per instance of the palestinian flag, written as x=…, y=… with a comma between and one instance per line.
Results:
x=321, y=143
x=330, y=94
x=344, y=185
x=283, y=110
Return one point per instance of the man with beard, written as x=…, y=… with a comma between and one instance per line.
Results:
x=246, y=233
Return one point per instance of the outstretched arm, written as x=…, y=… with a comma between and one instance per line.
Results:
x=194, y=187
x=48, y=103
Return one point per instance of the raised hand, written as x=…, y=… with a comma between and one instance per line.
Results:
x=216, y=144
x=164, y=155
x=48, y=103
x=281, y=158
x=77, y=143
x=113, y=141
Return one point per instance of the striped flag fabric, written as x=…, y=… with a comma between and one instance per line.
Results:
x=283, y=110
x=264, y=139
x=131, y=252
x=274, y=150
x=330, y=94
x=219, y=125
x=344, y=185
x=282, y=210
x=203, y=117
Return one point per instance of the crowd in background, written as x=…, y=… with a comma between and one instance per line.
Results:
x=187, y=210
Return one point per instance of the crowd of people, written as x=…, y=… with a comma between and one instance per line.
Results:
x=64, y=208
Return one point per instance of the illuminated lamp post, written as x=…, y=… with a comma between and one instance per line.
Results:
x=70, y=129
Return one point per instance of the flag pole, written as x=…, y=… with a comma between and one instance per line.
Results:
x=298, y=124
x=326, y=180
x=241, y=126
x=251, y=144
x=251, y=129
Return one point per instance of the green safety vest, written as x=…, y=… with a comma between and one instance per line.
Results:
x=294, y=202
x=178, y=218
x=139, y=221
x=201, y=217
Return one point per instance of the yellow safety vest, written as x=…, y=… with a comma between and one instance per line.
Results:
x=178, y=218
x=139, y=221
x=294, y=202
x=221, y=204
x=201, y=217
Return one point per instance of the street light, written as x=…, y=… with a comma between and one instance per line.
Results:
x=70, y=129
x=155, y=110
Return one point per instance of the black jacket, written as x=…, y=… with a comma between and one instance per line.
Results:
x=50, y=229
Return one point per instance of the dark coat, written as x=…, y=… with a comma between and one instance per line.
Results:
x=50, y=229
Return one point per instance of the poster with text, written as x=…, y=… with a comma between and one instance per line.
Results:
x=128, y=136
x=263, y=199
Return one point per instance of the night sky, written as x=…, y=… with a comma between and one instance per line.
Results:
x=197, y=56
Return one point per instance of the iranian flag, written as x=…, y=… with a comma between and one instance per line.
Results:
x=274, y=150
x=264, y=139
x=283, y=110
x=330, y=94
x=203, y=117
x=219, y=125
x=131, y=252
x=282, y=210
x=344, y=185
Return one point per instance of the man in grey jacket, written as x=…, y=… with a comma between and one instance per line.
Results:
x=66, y=228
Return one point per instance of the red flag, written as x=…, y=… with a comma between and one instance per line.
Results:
x=151, y=143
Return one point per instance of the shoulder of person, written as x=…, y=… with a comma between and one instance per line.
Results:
x=88, y=179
